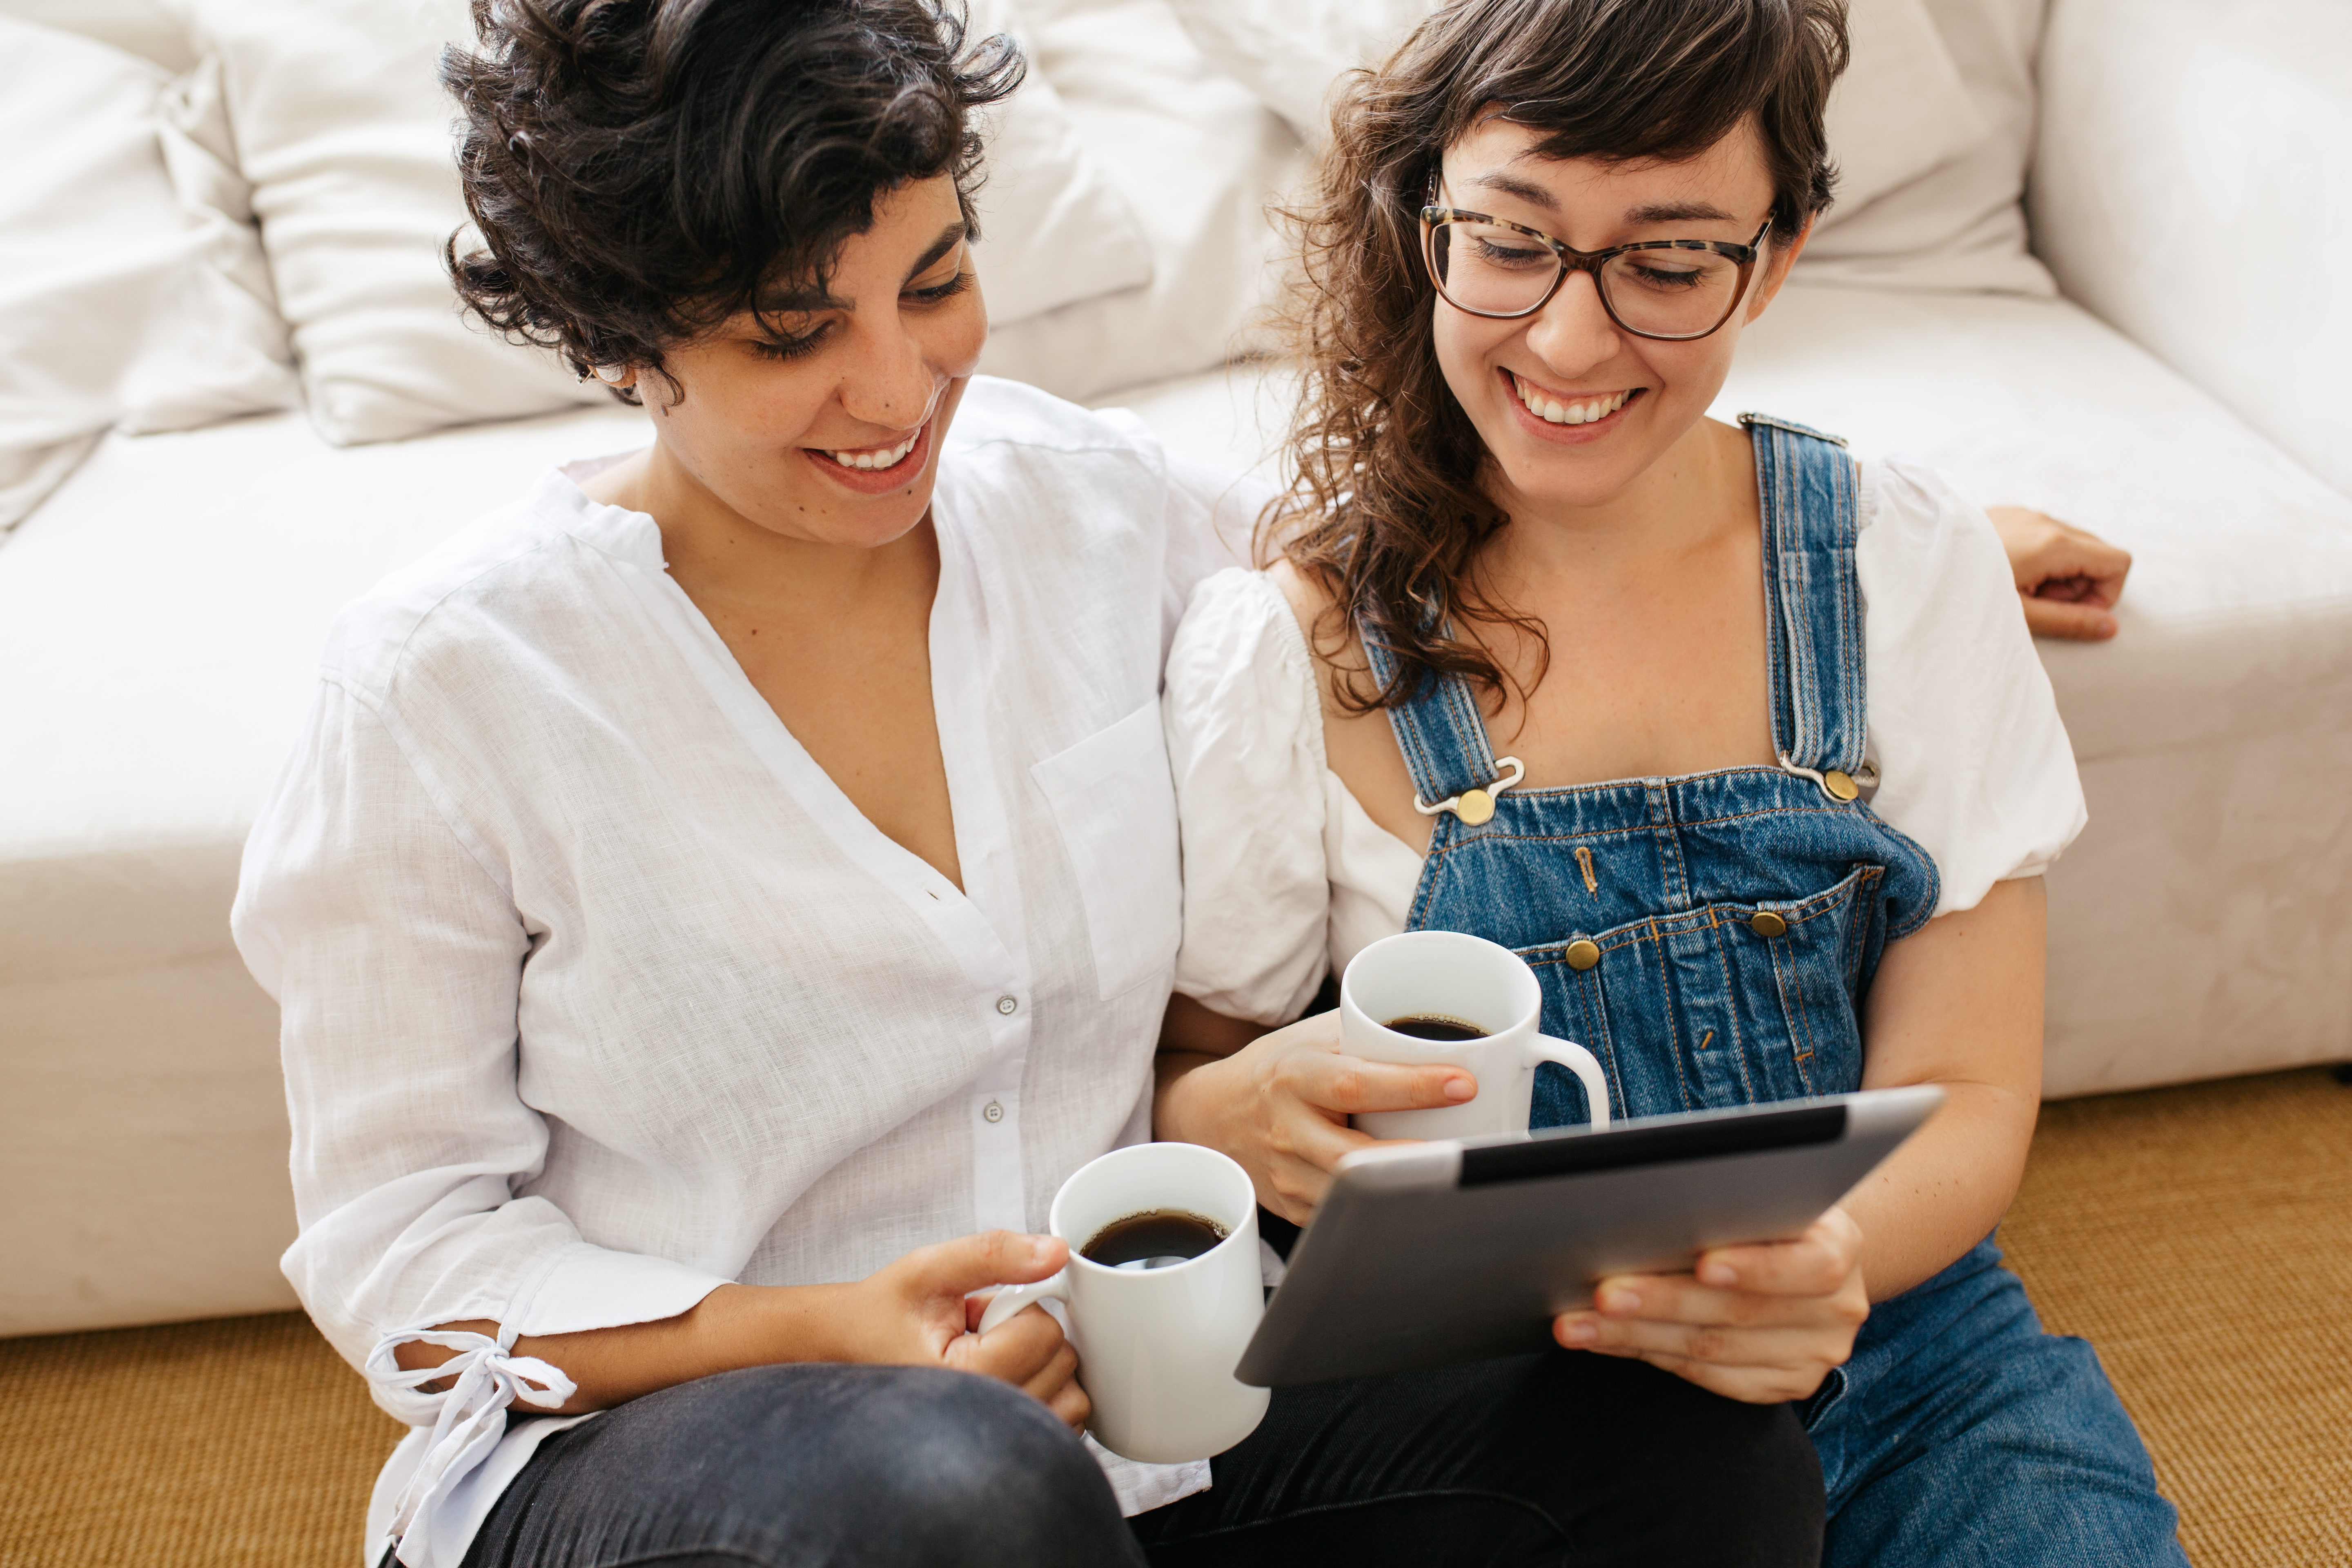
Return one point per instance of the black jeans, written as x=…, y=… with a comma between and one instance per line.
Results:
x=1554, y=1458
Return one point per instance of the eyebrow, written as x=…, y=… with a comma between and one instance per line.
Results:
x=1527, y=191
x=806, y=300
x=1677, y=211
x=1534, y=194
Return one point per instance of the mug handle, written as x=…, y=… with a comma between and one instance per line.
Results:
x=1582, y=1063
x=1014, y=1298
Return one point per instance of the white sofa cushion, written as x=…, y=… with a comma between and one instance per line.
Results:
x=2201, y=926
x=345, y=133
x=161, y=619
x=2188, y=188
x=107, y=297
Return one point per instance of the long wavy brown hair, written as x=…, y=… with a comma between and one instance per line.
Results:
x=1387, y=513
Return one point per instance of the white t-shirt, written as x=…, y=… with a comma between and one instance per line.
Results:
x=1286, y=876
x=598, y=993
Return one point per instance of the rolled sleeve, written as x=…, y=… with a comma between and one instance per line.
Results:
x=1975, y=764
x=395, y=953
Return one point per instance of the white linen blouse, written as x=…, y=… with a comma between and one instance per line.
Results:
x=1286, y=876
x=598, y=993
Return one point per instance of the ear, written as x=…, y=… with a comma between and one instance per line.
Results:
x=1776, y=271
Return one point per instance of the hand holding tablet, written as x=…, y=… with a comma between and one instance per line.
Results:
x=1424, y=1254
x=1761, y=1322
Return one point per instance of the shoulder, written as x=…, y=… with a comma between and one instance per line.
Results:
x=477, y=588
x=998, y=419
x=1071, y=475
x=1239, y=666
x=1237, y=618
x=1930, y=566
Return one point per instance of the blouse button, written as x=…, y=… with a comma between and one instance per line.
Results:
x=1008, y=1006
x=1840, y=785
x=1583, y=954
x=1768, y=924
x=992, y=1111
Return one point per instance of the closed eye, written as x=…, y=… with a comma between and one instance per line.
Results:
x=1510, y=256
x=785, y=347
x=947, y=290
x=1668, y=278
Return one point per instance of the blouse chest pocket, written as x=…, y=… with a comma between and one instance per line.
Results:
x=1115, y=806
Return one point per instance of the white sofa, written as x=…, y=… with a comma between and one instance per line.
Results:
x=161, y=609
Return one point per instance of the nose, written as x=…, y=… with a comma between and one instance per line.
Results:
x=888, y=379
x=1572, y=332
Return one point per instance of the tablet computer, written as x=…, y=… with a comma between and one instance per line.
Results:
x=1426, y=1254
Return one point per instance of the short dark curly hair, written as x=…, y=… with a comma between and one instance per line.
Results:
x=641, y=169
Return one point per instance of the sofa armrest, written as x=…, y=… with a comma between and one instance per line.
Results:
x=2187, y=185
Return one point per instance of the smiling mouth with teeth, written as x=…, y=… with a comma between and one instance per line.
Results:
x=1555, y=410
x=877, y=456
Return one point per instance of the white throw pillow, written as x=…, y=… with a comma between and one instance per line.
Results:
x=147, y=28
x=1900, y=110
x=1053, y=225
x=106, y=299
x=1961, y=223
x=1929, y=127
x=1197, y=158
x=345, y=135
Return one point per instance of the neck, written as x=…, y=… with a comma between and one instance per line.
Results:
x=1674, y=505
x=720, y=556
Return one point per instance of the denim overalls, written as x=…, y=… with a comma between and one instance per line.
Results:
x=1710, y=938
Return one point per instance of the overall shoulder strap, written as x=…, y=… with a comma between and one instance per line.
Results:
x=1439, y=731
x=1807, y=486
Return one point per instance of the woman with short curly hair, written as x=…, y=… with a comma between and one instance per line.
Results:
x=718, y=898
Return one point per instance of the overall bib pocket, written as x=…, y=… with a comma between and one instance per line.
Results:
x=1725, y=1004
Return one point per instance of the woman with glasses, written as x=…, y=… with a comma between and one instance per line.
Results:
x=1740, y=742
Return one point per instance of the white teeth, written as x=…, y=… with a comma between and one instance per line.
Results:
x=1554, y=412
x=888, y=459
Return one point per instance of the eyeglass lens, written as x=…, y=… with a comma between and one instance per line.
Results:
x=1500, y=271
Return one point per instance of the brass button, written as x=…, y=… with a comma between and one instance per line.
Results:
x=1583, y=954
x=1840, y=785
x=1766, y=923
x=1474, y=807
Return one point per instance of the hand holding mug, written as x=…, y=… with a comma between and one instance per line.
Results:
x=1447, y=999
x=914, y=1312
x=1280, y=1106
x=1163, y=1294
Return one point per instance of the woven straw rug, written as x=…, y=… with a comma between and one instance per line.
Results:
x=2201, y=1237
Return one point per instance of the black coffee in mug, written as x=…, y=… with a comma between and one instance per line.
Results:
x=1433, y=1026
x=1152, y=1239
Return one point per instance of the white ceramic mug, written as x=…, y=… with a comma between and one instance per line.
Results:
x=1157, y=1346
x=1448, y=974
